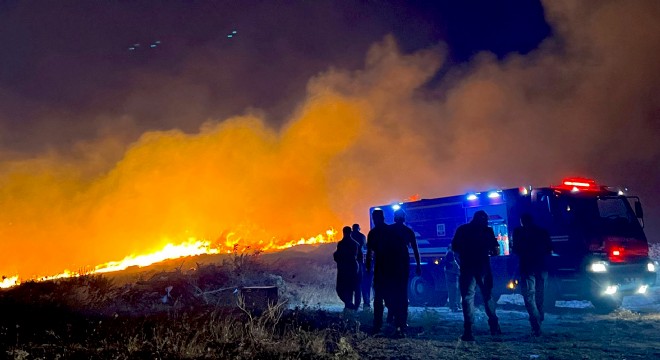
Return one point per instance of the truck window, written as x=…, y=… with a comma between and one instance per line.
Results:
x=541, y=209
x=593, y=219
x=614, y=209
x=617, y=218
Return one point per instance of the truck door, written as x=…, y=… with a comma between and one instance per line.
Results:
x=549, y=212
x=553, y=213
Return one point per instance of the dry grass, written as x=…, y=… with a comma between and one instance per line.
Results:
x=170, y=315
x=94, y=317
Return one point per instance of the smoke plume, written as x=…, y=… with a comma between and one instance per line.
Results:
x=584, y=103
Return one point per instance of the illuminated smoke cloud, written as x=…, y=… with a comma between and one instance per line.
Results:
x=584, y=103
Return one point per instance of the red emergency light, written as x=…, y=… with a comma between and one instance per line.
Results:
x=616, y=254
x=577, y=184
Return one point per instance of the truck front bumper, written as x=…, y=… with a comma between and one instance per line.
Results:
x=623, y=279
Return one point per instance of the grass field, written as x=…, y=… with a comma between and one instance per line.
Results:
x=191, y=310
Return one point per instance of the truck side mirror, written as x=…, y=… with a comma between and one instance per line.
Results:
x=638, y=210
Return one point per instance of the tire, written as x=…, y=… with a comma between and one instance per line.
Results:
x=421, y=291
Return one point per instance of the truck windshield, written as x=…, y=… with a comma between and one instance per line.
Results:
x=618, y=218
x=604, y=216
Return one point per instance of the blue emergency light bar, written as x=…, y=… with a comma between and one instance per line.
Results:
x=494, y=194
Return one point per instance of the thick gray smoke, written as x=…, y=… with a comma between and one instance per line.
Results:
x=585, y=103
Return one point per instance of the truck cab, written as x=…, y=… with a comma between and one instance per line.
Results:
x=600, y=251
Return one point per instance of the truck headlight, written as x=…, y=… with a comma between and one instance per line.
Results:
x=598, y=267
x=651, y=267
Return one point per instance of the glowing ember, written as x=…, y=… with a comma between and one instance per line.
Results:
x=65, y=274
x=9, y=282
x=414, y=197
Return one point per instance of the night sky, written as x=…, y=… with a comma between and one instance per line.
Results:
x=66, y=67
x=313, y=111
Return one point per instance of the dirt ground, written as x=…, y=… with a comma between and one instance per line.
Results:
x=575, y=331
x=573, y=334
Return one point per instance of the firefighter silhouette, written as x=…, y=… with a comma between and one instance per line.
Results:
x=474, y=242
x=452, y=270
x=364, y=285
x=399, y=260
x=377, y=259
x=532, y=244
x=347, y=256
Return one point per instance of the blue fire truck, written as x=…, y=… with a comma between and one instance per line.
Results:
x=600, y=251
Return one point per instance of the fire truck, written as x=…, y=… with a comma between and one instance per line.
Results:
x=600, y=251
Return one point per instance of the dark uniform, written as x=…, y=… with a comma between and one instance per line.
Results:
x=366, y=277
x=474, y=242
x=347, y=256
x=377, y=240
x=532, y=244
x=399, y=265
x=452, y=271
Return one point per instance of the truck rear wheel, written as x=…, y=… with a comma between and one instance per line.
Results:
x=421, y=292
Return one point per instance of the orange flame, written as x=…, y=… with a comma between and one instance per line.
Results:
x=414, y=197
x=318, y=239
x=8, y=282
x=191, y=247
x=180, y=185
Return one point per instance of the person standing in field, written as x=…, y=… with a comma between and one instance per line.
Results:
x=403, y=237
x=347, y=256
x=452, y=271
x=532, y=244
x=474, y=242
x=365, y=276
x=377, y=242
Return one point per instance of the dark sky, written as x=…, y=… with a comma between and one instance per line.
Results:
x=65, y=68
x=313, y=112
